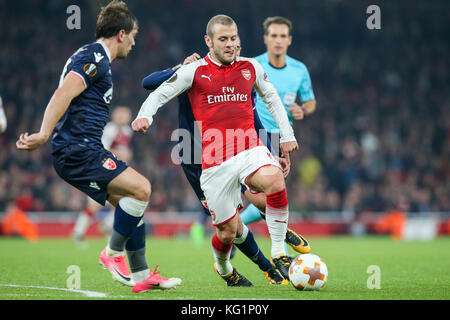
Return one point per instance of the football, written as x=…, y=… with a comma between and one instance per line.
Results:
x=308, y=272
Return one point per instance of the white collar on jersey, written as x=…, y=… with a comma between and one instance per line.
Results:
x=215, y=62
x=105, y=48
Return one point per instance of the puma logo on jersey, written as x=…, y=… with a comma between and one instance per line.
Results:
x=98, y=57
x=207, y=77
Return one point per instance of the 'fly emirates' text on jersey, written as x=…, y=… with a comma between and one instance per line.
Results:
x=221, y=101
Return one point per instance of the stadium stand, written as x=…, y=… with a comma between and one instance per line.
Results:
x=380, y=137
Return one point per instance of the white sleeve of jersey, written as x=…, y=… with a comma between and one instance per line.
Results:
x=174, y=86
x=109, y=134
x=3, y=122
x=269, y=95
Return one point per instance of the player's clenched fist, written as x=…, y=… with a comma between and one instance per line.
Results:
x=140, y=125
x=297, y=112
x=287, y=148
x=30, y=142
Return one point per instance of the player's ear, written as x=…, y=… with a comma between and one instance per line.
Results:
x=121, y=35
x=290, y=40
x=208, y=41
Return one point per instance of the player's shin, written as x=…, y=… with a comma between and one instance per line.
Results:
x=127, y=216
x=135, y=248
x=221, y=252
x=277, y=214
x=247, y=245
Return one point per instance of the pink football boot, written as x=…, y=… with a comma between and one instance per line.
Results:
x=155, y=281
x=118, y=267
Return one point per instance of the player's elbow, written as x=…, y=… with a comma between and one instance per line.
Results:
x=146, y=84
x=62, y=93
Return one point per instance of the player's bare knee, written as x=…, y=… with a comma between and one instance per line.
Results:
x=227, y=236
x=143, y=191
x=277, y=184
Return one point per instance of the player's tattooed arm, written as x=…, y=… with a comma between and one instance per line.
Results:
x=72, y=87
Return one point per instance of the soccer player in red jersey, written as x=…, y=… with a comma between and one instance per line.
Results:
x=219, y=88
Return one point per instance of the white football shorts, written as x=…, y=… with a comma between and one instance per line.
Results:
x=221, y=184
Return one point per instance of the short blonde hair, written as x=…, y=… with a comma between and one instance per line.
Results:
x=218, y=19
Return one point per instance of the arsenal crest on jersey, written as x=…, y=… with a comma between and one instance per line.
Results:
x=109, y=164
x=246, y=74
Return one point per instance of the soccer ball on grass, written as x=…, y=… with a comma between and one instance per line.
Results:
x=308, y=272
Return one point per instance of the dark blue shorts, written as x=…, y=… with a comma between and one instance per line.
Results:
x=193, y=173
x=88, y=170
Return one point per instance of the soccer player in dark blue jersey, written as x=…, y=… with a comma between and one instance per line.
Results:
x=192, y=168
x=76, y=115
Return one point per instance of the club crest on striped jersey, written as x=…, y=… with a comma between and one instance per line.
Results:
x=109, y=164
x=246, y=74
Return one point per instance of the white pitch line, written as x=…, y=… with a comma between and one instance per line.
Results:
x=90, y=294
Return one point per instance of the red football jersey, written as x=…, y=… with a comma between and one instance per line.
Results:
x=220, y=97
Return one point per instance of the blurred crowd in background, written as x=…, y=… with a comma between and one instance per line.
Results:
x=379, y=139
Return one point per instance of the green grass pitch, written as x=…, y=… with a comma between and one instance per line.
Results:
x=408, y=270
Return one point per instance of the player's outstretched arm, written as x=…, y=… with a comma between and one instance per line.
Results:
x=60, y=101
x=177, y=84
x=154, y=80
